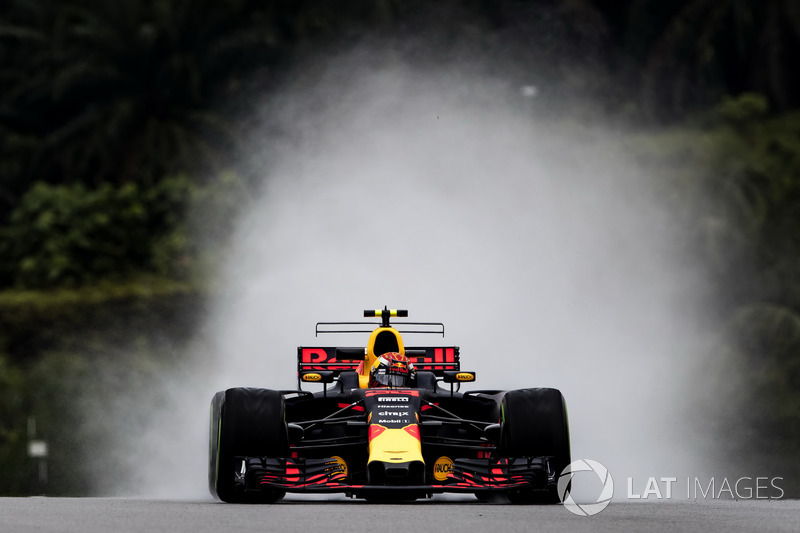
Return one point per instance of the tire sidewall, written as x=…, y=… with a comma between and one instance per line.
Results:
x=534, y=423
x=250, y=423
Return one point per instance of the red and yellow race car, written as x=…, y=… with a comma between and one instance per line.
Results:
x=390, y=423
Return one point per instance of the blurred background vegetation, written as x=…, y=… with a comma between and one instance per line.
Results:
x=121, y=124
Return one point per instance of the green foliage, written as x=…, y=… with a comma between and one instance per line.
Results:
x=744, y=108
x=70, y=357
x=13, y=436
x=696, y=51
x=68, y=235
x=129, y=91
x=87, y=399
x=71, y=235
x=126, y=91
x=737, y=182
x=33, y=322
x=739, y=177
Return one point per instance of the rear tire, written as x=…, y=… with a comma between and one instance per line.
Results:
x=244, y=422
x=535, y=424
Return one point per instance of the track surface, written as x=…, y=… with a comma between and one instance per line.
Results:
x=88, y=515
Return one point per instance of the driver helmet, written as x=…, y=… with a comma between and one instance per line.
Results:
x=392, y=369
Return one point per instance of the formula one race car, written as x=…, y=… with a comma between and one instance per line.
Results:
x=389, y=424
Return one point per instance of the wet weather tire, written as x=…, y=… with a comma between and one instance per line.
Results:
x=535, y=424
x=244, y=422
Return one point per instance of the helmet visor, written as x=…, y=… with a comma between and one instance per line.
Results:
x=391, y=380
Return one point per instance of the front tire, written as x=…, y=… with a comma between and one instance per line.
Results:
x=244, y=422
x=535, y=424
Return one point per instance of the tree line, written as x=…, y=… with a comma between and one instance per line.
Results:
x=94, y=92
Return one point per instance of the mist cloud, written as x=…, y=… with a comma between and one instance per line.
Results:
x=543, y=247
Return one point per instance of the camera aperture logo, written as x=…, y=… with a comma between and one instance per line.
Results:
x=565, y=487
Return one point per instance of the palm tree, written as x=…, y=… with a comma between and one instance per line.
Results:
x=705, y=49
x=127, y=90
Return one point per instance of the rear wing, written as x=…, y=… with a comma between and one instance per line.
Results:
x=436, y=359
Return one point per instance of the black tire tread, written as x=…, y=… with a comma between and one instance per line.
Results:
x=252, y=424
x=535, y=424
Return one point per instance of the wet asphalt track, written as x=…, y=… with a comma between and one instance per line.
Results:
x=90, y=515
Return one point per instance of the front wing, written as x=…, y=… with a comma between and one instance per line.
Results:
x=327, y=475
